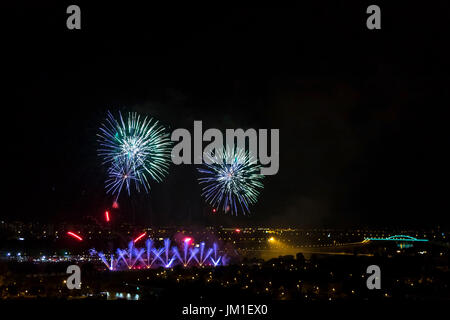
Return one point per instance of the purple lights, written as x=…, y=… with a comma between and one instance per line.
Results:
x=188, y=255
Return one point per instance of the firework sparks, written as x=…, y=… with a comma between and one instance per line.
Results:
x=231, y=179
x=74, y=235
x=137, y=151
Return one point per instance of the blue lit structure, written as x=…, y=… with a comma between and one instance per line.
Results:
x=401, y=240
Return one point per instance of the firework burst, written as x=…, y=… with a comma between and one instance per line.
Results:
x=137, y=151
x=122, y=173
x=232, y=180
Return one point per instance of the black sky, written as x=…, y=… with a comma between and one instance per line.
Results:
x=362, y=114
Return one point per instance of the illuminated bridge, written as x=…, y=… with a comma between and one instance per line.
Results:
x=400, y=239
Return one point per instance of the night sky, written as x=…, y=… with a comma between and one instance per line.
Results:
x=362, y=114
